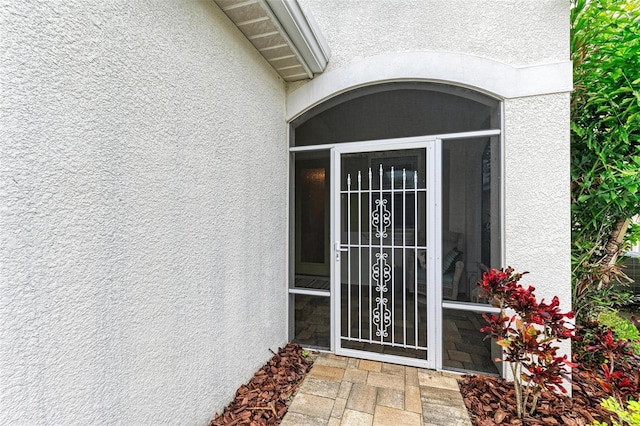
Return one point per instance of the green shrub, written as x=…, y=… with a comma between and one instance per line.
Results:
x=605, y=144
x=629, y=415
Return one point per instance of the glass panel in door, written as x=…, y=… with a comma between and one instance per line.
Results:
x=383, y=252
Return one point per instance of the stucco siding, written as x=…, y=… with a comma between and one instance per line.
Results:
x=143, y=206
x=515, y=32
x=536, y=197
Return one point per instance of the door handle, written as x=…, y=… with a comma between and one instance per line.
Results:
x=338, y=250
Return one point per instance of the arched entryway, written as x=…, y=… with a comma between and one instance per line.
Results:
x=396, y=211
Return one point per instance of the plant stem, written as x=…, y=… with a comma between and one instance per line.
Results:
x=534, y=403
x=518, y=388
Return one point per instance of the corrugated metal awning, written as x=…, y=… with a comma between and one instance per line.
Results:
x=287, y=37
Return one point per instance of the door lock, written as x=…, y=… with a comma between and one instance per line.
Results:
x=338, y=250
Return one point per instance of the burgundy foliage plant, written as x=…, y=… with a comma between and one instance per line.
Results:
x=612, y=351
x=528, y=332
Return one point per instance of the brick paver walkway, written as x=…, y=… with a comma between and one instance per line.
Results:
x=352, y=392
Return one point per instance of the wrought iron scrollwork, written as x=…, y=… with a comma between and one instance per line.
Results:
x=381, y=274
x=381, y=218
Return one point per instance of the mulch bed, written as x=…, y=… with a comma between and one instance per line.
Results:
x=263, y=401
x=491, y=401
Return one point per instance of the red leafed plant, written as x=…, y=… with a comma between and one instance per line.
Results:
x=610, y=348
x=619, y=383
x=528, y=336
x=616, y=382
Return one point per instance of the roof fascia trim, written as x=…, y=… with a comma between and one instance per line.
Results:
x=303, y=32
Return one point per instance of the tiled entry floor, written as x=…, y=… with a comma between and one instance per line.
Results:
x=463, y=346
x=352, y=392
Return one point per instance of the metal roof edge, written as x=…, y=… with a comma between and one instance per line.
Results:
x=303, y=32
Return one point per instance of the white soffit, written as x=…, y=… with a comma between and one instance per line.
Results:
x=287, y=37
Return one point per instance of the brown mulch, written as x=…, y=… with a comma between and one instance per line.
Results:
x=263, y=401
x=491, y=401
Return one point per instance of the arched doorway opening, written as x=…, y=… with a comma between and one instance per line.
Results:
x=396, y=211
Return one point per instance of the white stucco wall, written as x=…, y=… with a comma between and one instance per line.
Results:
x=143, y=205
x=510, y=31
x=536, y=196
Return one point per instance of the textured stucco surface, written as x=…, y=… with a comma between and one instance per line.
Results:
x=143, y=175
x=143, y=203
x=537, y=204
x=511, y=31
x=536, y=196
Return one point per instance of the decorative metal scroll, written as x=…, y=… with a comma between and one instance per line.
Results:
x=381, y=274
x=381, y=218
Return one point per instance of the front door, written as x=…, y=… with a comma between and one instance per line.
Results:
x=384, y=246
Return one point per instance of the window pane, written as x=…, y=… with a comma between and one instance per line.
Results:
x=463, y=346
x=312, y=182
x=311, y=321
x=311, y=201
x=395, y=110
x=470, y=215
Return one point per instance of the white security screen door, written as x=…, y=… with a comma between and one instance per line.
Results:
x=385, y=198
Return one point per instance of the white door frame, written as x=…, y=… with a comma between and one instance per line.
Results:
x=433, y=292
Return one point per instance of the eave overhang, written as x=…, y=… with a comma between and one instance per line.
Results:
x=286, y=36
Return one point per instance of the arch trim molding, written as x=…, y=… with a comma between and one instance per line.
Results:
x=485, y=75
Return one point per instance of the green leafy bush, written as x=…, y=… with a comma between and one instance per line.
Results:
x=605, y=145
x=629, y=415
